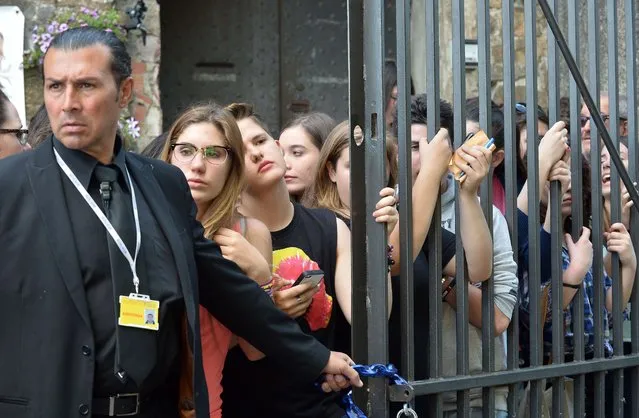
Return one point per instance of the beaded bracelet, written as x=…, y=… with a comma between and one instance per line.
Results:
x=268, y=287
x=389, y=255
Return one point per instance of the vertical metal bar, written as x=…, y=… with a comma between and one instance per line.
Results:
x=576, y=169
x=369, y=299
x=459, y=104
x=631, y=77
x=595, y=152
x=556, y=229
x=488, y=290
x=405, y=187
x=536, y=341
x=434, y=233
x=510, y=161
x=615, y=207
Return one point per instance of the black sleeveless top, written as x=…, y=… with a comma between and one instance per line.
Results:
x=263, y=388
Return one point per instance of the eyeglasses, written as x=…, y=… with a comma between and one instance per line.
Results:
x=584, y=119
x=20, y=134
x=214, y=154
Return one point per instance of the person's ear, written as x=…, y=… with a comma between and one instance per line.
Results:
x=331, y=172
x=125, y=92
x=498, y=158
x=623, y=128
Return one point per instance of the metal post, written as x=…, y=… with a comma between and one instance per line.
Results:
x=434, y=233
x=369, y=298
x=556, y=230
x=405, y=187
x=536, y=344
x=576, y=170
x=615, y=207
x=631, y=76
x=488, y=291
x=510, y=162
x=595, y=152
x=459, y=104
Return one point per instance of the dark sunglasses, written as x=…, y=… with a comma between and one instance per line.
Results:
x=21, y=134
x=584, y=119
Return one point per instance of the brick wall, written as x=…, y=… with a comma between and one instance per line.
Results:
x=145, y=106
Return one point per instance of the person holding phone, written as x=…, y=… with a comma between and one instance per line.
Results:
x=303, y=240
x=430, y=164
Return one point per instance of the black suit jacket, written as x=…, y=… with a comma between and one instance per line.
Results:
x=44, y=319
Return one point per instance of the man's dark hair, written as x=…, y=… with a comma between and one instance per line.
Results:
x=419, y=114
x=496, y=119
x=88, y=36
x=496, y=127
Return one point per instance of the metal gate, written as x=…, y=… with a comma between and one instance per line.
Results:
x=366, y=49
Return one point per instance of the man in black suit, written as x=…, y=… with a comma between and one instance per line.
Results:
x=65, y=275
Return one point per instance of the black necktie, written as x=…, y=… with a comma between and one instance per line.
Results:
x=135, y=352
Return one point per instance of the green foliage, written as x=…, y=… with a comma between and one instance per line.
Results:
x=65, y=19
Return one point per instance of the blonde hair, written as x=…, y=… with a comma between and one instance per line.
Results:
x=223, y=209
x=323, y=193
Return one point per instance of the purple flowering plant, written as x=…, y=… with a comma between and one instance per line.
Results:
x=129, y=129
x=64, y=19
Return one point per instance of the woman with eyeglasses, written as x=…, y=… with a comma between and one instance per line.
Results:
x=206, y=144
x=12, y=136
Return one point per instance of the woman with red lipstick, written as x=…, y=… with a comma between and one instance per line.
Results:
x=301, y=140
x=205, y=143
x=303, y=239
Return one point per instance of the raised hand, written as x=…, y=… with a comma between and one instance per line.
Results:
x=237, y=249
x=560, y=172
x=385, y=210
x=476, y=166
x=618, y=241
x=580, y=256
x=554, y=145
x=435, y=155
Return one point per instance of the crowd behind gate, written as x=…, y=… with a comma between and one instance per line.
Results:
x=276, y=206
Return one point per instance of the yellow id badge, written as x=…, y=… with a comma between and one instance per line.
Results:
x=139, y=311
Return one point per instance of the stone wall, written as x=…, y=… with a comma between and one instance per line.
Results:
x=145, y=106
x=419, y=57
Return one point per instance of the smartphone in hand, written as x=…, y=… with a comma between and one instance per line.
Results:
x=310, y=276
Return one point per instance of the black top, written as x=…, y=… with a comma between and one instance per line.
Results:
x=420, y=282
x=309, y=242
x=93, y=254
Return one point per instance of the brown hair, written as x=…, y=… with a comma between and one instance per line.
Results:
x=323, y=192
x=241, y=111
x=39, y=127
x=222, y=209
x=317, y=125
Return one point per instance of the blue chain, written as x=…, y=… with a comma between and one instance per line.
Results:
x=375, y=370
